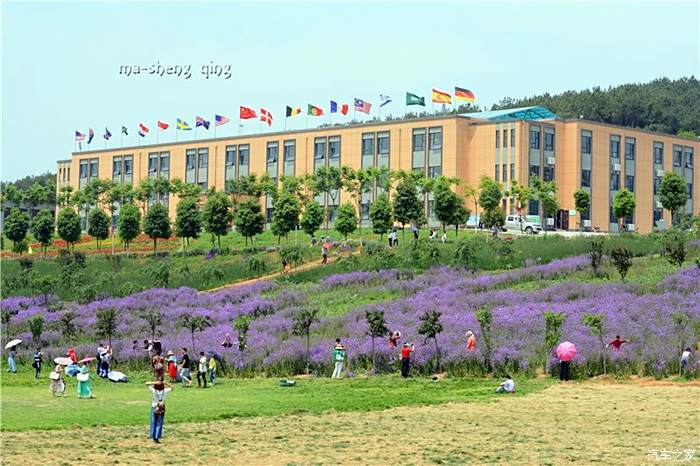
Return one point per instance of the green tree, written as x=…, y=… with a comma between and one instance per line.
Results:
x=188, y=220
x=357, y=183
x=250, y=220
x=292, y=253
x=42, y=228
x=285, y=216
x=143, y=194
x=312, y=218
x=622, y=259
x=66, y=324
x=153, y=318
x=346, y=221
x=68, y=226
x=129, y=226
x=473, y=193
x=674, y=246
x=553, y=322
x=545, y=192
x=490, y=200
x=595, y=323
x=467, y=250
x=430, y=327
x=408, y=208
x=36, y=327
x=328, y=181
x=302, y=321
x=582, y=202
x=381, y=216
x=35, y=196
x=377, y=329
x=673, y=194
x=43, y=285
x=449, y=208
x=106, y=325
x=157, y=224
x=16, y=226
x=99, y=225
x=485, y=318
x=596, y=255
x=522, y=194
x=217, y=215
x=623, y=206
x=193, y=324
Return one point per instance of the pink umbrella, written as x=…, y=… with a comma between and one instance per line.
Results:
x=88, y=359
x=566, y=351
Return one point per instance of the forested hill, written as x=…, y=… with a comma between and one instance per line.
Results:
x=664, y=105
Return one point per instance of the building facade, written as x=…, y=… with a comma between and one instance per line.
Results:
x=515, y=144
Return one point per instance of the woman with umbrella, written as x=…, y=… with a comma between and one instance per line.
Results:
x=11, y=355
x=565, y=353
x=56, y=377
x=84, y=387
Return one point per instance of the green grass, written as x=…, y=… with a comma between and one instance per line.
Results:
x=27, y=405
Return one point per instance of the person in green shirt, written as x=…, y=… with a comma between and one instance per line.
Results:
x=339, y=355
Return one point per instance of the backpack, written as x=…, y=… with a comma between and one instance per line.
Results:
x=160, y=407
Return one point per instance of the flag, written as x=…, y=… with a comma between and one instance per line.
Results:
x=266, y=116
x=464, y=94
x=143, y=129
x=124, y=131
x=220, y=120
x=343, y=108
x=162, y=125
x=314, y=111
x=91, y=134
x=183, y=126
x=247, y=113
x=385, y=100
x=201, y=122
x=79, y=136
x=413, y=99
x=292, y=111
x=362, y=106
x=440, y=97
x=107, y=134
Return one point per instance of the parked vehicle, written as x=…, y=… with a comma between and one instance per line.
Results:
x=518, y=223
x=474, y=221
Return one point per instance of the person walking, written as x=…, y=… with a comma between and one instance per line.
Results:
x=38, y=357
x=172, y=366
x=185, y=369
x=84, y=387
x=324, y=253
x=471, y=341
x=406, y=351
x=338, y=358
x=212, y=369
x=57, y=384
x=11, y=360
x=202, y=370
x=159, y=390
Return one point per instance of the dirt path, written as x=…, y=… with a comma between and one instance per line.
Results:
x=581, y=423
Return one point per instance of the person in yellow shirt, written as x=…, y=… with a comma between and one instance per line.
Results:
x=212, y=369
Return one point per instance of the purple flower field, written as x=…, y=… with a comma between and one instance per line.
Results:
x=657, y=325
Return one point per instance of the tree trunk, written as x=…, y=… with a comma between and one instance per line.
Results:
x=308, y=351
x=374, y=359
x=154, y=244
x=194, y=350
x=437, y=353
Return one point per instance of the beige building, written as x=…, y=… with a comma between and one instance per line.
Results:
x=509, y=145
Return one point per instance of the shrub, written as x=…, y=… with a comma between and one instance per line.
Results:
x=622, y=258
x=675, y=246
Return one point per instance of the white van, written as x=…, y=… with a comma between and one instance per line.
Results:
x=517, y=223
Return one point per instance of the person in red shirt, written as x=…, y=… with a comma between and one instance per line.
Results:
x=394, y=338
x=406, y=358
x=617, y=343
x=471, y=341
x=71, y=354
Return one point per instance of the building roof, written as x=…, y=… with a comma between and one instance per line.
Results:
x=522, y=113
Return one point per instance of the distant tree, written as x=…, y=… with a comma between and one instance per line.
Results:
x=194, y=323
x=357, y=183
x=596, y=255
x=687, y=134
x=327, y=180
x=68, y=226
x=673, y=194
x=377, y=329
x=312, y=218
x=250, y=220
x=595, y=323
x=430, y=327
x=623, y=205
x=66, y=324
x=490, y=196
x=545, y=192
x=157, y=224
x=188, y=220
x=522, y=194
x=447, y=203
x=106, y=325
x=485, y=318
x=129, y=225
x=582, y=203
x=36, y=327
x=473, y=192
x=143, y=194
x=242, y=325
x=346, y=221
x=15, y=228
x=217, y=215
x=43, y=285
x=408, y=208
x=381, y=216
x=622, y=258
x=42, y=229
x=302, y=322
x=553, y=322
x=153, y=318
x=99, y=225
x=285, y=216
x=36, y=195
x=674, y=246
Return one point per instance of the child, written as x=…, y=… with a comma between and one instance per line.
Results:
x=507, y=387
x=212, y=369
x=57, y=384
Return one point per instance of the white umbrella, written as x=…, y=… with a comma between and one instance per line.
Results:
x=63, y=361
x=14, y=342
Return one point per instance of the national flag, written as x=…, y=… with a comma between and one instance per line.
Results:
x=266, y=116
x=441, y=97
x=292, y=111
x=314, y=111
x=362, y=106
x=183, y=126
x=343, y=108
x=91, y=134
x=464, y=94
x=220, y=120
x=143, y=128
x=124, y=131
x=201, y=122
x=413, y=99
x=107, y=134
x=385, y=100
x=79, y=136
x=163, y=125
x=247, y=113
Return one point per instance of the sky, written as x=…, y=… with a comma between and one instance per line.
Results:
x=61, y=61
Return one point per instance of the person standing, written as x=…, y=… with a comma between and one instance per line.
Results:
x=202, y=370
x=157, y=346
x=84, y=387
x=57, y=383
x=406, y=351
x=212, y=369
x=106, y=360
x=415, y=232
x=338, y=358
x=172, y=366
x=71, y=354
x=159, y=390
x=158, y=367
x=185, y=368
x=471, y=341
x=617, y=343
x=685, y=360
x=11, y=360
x=564, y=370
x=324, y=253
x=36, y=364
x=443, y=238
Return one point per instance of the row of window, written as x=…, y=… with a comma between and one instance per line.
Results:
x=505, y=138
x=535, y=133
x=501, y=175
x=64, y=174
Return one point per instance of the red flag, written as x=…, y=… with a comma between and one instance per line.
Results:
x=143, y=127
x=247, y=113
x=163, y=125
x=344, y=109
x=266, y=116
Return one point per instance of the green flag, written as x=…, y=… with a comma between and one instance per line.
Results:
x=412, y=99
x=124, y=131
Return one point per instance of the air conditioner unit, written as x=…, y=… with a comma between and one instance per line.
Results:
x=660, y=173
x=550, y=160
x=629, y=227
x=587, y=223
x=616, y=167
x=550, y=222
x=658, y=205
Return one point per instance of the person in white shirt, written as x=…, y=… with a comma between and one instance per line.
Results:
x=506, y=387
x=202, y=370
x=159, y=391
x=685, y=359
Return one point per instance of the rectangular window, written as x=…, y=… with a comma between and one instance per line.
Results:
x=658, y=153
x=243, y=160
x=585, y=178
x=230, y=163
x=272, y=160
x=548, y=173
x=367, y=150
x=128, y=168
x=504, y=176
x=688, y=157
x=657, y=184
x=548, y=141
x=498, y=138
x=690, y=190
x=117, y=169
x=152, y=164
x=434, y=152
x=534, y=171
x=586, y=141
x=83, y=169
x=629, y=182
x=334, y=151
x=165, y=164
x=677, y=156
x=93, y=168
x=630, y=148
x=190, y=159
x=512, y=171
x=614, y=181
x=290, y=156
x=614, y=147
x=319, y=153
x=383, y=149
x=505, y=138
x=512, y=137
x=203, y=166
x=418, y=143
x=496, y=171
x=535, y=138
